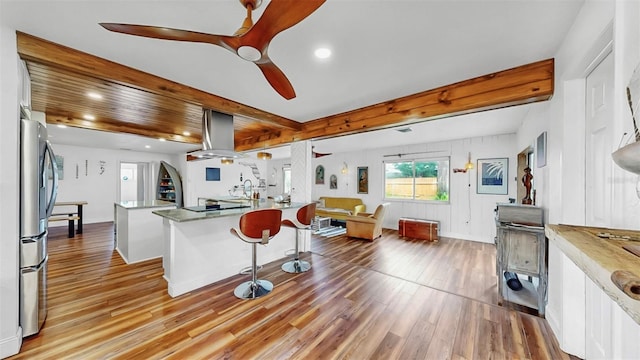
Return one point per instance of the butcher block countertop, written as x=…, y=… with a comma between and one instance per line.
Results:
x=599, y=253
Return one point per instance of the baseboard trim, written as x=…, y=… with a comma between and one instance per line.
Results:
x=11, y=345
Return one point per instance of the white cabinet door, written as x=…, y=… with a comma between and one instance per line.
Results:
x=566, y=302
x=626, y=335
x=598, y=322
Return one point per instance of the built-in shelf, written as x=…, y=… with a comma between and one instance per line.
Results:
x=169, y=186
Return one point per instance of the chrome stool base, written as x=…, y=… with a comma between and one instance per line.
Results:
x=296, y=266
x=253, y=290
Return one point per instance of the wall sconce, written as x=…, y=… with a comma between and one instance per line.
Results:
x=226, y=161
x=467, y=166
x=345, y=168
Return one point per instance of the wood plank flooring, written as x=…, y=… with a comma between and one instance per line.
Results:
x=388, y=299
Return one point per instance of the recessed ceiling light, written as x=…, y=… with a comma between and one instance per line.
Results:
x=186, y=133
x=62, y=126
x=94, y=95
x=322, y=53
x=147, y=146
x=89, y=117
x=162, y=139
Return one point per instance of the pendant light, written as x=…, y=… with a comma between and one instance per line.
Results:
x=263, y=155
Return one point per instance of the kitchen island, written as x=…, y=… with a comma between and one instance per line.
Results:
x=200, y=250
x=137, y=232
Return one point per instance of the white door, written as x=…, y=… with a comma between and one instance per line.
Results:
x=598, y=167
x=598, y=172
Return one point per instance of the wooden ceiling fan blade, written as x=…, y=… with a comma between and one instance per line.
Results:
x=277, y=79
x=279, y=16
x=158, y=32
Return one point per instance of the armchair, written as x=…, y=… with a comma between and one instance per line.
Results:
x=365, y=225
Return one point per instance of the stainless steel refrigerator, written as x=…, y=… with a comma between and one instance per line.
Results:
x=38, y=189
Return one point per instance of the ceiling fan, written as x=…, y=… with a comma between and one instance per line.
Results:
x=250, y=41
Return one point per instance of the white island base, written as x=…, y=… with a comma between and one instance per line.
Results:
x=200, y=252
x=138, y=232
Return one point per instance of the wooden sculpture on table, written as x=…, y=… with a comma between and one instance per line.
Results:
x=526, y=181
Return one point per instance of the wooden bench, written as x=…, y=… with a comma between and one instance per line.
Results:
x=419, y=228
x=66, y=217
x=78, y=212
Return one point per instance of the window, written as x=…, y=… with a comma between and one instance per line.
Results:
x=424, y=180
x=286, y=180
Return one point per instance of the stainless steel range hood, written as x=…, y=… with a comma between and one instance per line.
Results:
x=217, y=136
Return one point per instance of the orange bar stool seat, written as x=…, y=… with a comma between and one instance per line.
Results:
x=256, y=227
x=303, y=220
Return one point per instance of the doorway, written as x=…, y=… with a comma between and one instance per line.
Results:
x=133, y=181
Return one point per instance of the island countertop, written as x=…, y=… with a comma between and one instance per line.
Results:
x=183, y=215
x=144, y=204
x=598, y=257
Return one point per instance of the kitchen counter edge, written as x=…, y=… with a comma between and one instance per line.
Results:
x=183, y=215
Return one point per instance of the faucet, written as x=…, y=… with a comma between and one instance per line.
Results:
x=248, y=190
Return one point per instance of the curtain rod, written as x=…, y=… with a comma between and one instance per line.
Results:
x=414, y=153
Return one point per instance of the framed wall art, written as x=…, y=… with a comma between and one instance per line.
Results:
x=319, y=175
x=333, y=182
x=363, y=180
x=541, y=150
x=492, y=176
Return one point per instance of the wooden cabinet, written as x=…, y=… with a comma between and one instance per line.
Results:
x=418, y=229
x=169, y=186
x=522, y=249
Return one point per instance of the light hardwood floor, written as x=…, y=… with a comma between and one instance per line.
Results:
x=388, y=299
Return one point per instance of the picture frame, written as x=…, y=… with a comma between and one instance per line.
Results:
x=363, y=179
x=319, y=175
x=541, y=150
x=333, y=182
x=493, y=175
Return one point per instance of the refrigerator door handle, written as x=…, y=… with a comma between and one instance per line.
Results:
x=54, y=190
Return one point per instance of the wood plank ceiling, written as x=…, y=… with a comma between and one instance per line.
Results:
x=139, y=103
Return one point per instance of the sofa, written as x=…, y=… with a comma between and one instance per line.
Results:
x=338, y=208
x=365, y=225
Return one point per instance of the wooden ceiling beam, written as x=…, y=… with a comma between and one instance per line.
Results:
x=520, y=85
x=35, y=49
x=524, y=84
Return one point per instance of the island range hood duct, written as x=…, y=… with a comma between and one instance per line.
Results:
x=217, y=136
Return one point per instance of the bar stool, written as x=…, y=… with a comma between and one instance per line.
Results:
x=256, y=227
x=303, y=219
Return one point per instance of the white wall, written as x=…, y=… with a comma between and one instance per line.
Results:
x=468, y=215
x=275, y=178
x=195, y=184
x=100, y=190
x=562, y=191
x=626, y=201
x=10, y=333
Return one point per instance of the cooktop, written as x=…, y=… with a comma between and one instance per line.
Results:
x=216, y=207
